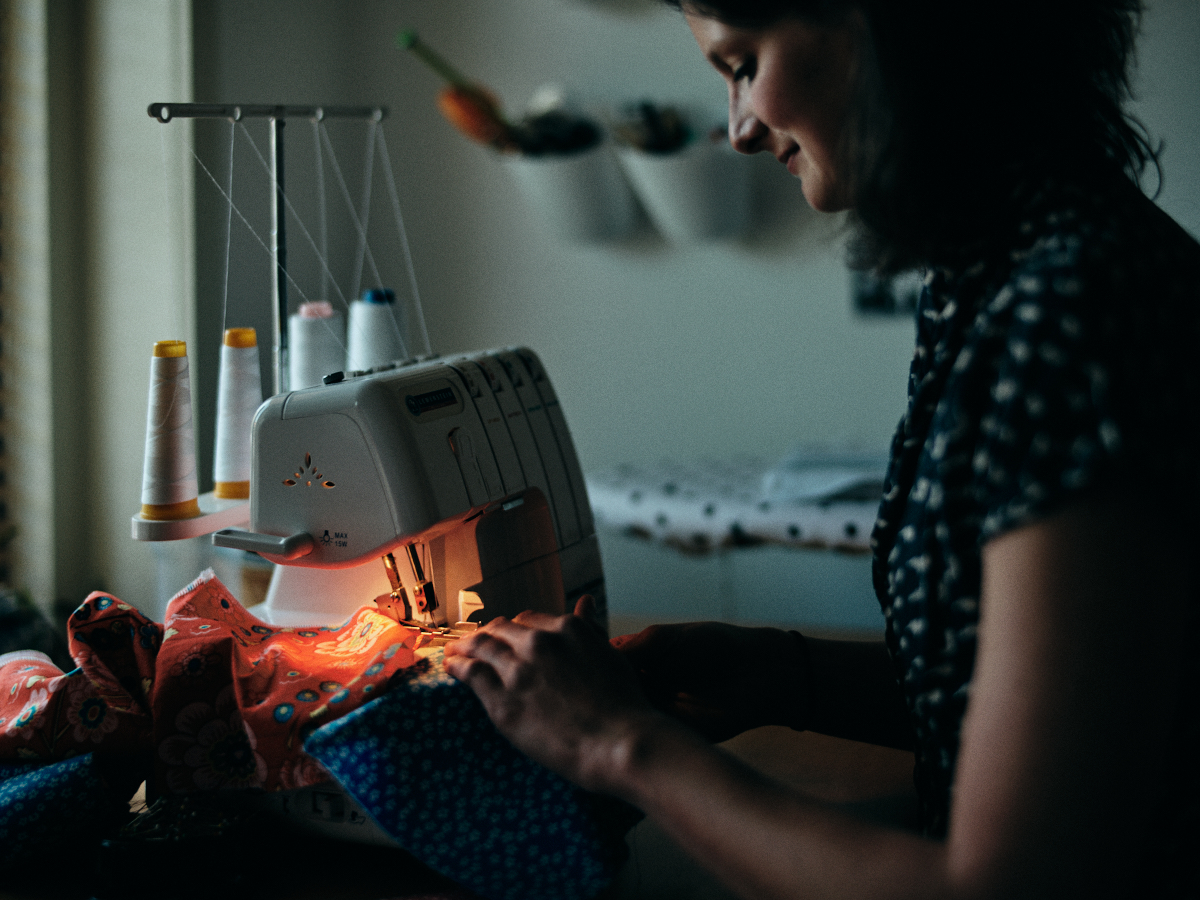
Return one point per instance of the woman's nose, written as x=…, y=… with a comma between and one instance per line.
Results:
x=746, y=131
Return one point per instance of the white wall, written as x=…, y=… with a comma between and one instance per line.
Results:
x=26, y=328
x=655, y=350
x=104, y=266
x=139, y=283
x=1167, y=90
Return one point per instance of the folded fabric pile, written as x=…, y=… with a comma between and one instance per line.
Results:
x=214, y=699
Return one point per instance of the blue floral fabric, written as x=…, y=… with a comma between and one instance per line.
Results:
x=49, y=804
x=426, y=762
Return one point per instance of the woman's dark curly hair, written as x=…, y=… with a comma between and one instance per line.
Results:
x=966, y=106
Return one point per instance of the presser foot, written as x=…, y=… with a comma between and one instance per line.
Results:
x=429, y=636
x=433, y=637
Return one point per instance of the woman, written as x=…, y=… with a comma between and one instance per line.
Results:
x=1031, y=552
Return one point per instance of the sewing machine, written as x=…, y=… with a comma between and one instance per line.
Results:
x=447, y=490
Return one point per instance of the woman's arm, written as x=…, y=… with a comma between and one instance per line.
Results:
x=1076, y=687
x=853, y=693
x=1079, y=649
x=724, y=679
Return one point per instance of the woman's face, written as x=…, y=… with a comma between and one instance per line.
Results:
x=790, y=86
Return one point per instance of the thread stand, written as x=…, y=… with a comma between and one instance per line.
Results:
x=218, y=513
x=215, y=514
x=276, y=115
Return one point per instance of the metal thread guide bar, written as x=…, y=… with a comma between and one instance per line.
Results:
x=276, y=115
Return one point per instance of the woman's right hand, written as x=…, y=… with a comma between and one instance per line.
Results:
x=721, y=679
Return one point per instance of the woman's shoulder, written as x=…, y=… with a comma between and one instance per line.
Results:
x=1081, y=353
x=1105, y=241
x=1103, y=275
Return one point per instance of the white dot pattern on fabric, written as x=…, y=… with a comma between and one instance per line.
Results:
x=702, y=507
x=58, y=804
x=1029, y=387
x=431, y=769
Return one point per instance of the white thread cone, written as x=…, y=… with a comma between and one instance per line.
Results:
x=239, y=394
x=374, y=335
x=314, y=344
x=169, y=487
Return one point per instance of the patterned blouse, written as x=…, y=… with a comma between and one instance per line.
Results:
x=1063, y=364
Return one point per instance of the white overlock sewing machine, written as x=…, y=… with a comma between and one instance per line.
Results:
x=446, y=490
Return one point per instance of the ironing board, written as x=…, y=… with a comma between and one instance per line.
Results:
x=712, y=506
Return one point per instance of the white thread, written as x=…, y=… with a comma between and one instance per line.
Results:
x=322, y=215
x=169, y=471
x=239, y=394
x=228, y=230
x=382, y=345
x=358, y=225
x=180, y=312
x=296, y=218
x=368, y=171
x=249, y=227
x=408, y=260
x=373, y=336
x=316, y=344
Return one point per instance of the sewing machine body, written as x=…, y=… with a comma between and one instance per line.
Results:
x=460, y=473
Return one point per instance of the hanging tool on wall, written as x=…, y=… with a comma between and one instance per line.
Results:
x=472, y=109
x=548, y=129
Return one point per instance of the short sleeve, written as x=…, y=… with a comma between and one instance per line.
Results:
x=1051, y=426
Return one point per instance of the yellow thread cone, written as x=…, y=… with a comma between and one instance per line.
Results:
x=239, y=394
x=169, y=487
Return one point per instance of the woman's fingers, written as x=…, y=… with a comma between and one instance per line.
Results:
x=531, y=619
x=554, y=688
x=508, y=646
x=494, y=644
x=498, y=701
x=475, y=673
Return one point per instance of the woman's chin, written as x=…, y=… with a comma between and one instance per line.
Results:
x=823, y=197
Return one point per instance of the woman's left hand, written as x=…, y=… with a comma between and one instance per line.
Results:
x=557, y=690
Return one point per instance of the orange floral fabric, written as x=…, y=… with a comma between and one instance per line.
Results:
x=217, y=697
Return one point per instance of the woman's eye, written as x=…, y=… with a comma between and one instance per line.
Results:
x=744, y=71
